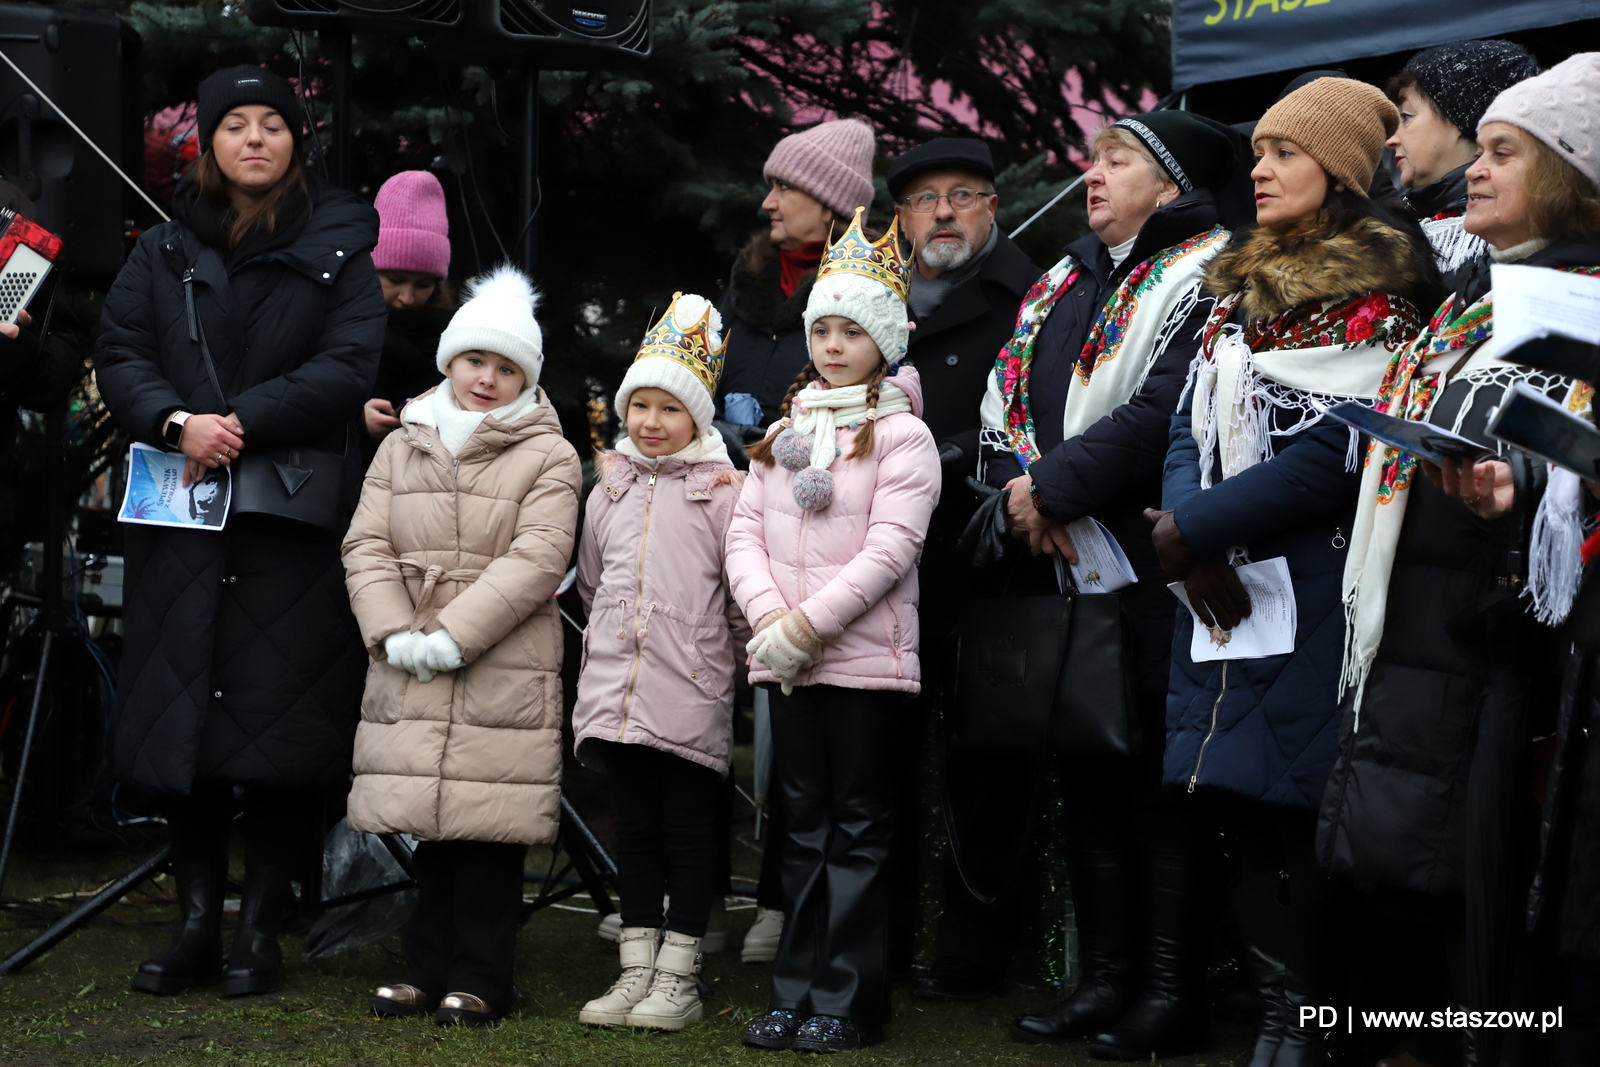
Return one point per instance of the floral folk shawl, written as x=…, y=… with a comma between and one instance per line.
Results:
x=1139, y=318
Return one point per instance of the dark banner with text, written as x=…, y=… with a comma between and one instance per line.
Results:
x=1219, y=40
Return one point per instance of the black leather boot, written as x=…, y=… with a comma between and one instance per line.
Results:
x=1303, y=1046
x=1168, y=1016
x=1268, y=975
x=255, y=963
x=1100, y=894
x=195, y=955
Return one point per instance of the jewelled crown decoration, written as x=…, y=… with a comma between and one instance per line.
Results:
x=855, y=253
x=691, y=347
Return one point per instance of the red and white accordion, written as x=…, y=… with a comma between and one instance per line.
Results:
x=28, y=250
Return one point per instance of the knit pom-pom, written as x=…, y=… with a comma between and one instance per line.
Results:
x=793, y=450
x=504, y=282
x=813, y=488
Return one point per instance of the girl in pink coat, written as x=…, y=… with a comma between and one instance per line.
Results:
x=655, y=697
x=822, y=558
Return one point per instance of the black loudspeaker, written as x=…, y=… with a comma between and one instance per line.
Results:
x=581, y=34
x=553, y=35
x=88, y=63
x=411, y=17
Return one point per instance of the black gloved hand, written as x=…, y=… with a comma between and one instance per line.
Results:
x=1216, y=593
x=985, y=533
x=952, y=455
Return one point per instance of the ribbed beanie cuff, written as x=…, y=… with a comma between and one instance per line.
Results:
x=831, y=163
x=413, y=227
x=659, y=372
x=1342, y=123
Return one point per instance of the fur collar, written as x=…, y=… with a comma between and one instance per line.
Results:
x=1279, y=270
x=757, y=297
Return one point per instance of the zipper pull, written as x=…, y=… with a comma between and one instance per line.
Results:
x=652, y=484
x=1192, y=780
x=1339, y=540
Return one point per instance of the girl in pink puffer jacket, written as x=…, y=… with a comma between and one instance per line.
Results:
x=822, y=557
x=655, y=696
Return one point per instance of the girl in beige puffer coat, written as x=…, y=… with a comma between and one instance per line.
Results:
x=454, y=555
x=655, y=699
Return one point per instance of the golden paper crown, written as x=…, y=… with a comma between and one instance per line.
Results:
x=691, y=347
x=855, y=253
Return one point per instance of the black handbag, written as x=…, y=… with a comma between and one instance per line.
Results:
x=1094, y=706
x=290, y=481
x=1045, y=672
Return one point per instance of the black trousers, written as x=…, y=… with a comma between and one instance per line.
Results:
x=462, y=937
x=280, y=825
x=1114, y=805
x=668, y=814
x=835, y=751
x=1283, y=900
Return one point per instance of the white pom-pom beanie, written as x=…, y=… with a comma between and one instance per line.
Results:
x=868, y=303
x=497, y=317
x=662, y=366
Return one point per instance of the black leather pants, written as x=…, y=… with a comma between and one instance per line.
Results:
x=835, y=751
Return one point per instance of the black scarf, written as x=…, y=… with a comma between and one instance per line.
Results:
x=212, y=222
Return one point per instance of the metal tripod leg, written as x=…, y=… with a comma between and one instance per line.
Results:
x=27, y=752
x=70, y=923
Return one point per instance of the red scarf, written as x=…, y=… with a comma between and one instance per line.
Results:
x=796, y=263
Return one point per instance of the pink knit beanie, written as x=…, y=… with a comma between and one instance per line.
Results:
x=413, y=232
x=1561, y=107
x=831, y=162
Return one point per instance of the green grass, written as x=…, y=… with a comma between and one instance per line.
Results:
x=74, y=1007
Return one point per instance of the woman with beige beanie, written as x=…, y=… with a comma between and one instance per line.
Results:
x=1312, y=304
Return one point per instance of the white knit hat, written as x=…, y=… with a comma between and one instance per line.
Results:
x=869, y=304
x=498, y=318
x=867, y=282
x=1561, y=107
x=681, y=354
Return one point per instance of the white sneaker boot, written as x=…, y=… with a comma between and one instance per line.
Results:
x=611, y=927
x=674, y=1000
x=637, y=949
x=761, y=943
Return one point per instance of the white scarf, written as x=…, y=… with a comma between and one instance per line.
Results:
x=453, y=424
x=706, y=448
x=1237, y=393
x=1555, y=556
x=1452, y=245
x=822, y=412
x=1380, y=516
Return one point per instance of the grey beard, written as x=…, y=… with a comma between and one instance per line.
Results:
x=943, y=257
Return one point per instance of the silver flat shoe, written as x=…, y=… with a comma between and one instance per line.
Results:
x=399, y=1001
x=466, y=1010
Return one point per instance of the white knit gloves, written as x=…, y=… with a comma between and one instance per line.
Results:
x=423, y=655
x=785, y=644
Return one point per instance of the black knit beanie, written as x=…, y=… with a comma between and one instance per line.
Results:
x=1196, y=151
x=235, y=87
x=1463, y=79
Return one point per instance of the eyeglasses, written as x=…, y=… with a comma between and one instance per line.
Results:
x=961, y=200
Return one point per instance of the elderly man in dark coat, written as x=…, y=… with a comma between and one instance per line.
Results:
x=968, y=280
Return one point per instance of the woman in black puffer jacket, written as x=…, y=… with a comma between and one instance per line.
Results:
x=243, y=666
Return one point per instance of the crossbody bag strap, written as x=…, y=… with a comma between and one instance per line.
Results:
x=197, y=333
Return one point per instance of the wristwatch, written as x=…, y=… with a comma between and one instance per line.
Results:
x=1038, y=499
x=174, y=431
